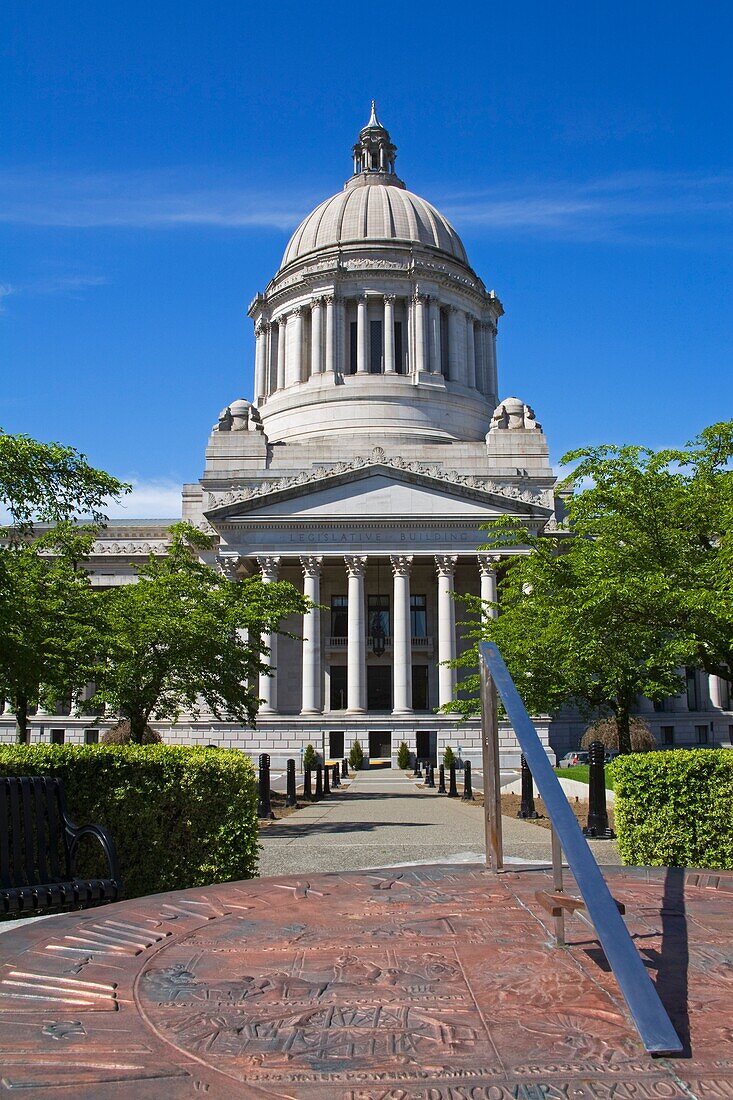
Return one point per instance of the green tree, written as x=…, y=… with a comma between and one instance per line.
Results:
x=184, y=634
x=403, y=756
x=49, y=638
x=639, y=584
x=356, y=756
x=51, y=483
x=449, y=757
x=310, y=758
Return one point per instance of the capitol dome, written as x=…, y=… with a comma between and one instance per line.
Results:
x=382, y=213
x=375, y=322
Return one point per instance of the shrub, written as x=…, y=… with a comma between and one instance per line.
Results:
x=674, y=808
x=356, y=756
x=180, y=817
x=403, y=756
x=605, y=730
x=121, y=734
x=449, y=757
x=310, y=758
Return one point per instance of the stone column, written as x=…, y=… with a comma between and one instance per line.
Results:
x=446, y=566
x=470, y=353
x=420, y=356
x=312, y=676
x=362, y=365
x=457, y=345
x=389, y=363
x=294, y=341
x=434, y=365
x=487, y=565
x=330, y=336
x=402, y=635
x=316, y=336
x=260, y=361
x=282, y=335
x=267, y=685
x=491, y=377
x=356, y=636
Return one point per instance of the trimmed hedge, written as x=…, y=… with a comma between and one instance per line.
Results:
x=180, y=817
x=675, y=808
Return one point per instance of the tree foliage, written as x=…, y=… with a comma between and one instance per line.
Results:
x=184, y=634
x=638, y=586
x=51, y=483
x=49, y=638
x=605, y=730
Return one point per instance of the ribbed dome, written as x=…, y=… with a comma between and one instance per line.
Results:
x=380, y=212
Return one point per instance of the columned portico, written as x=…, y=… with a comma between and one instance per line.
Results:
x=402, y=639
x=446, y=567
x=312, y=673
x=267, y=685
x=356, y=638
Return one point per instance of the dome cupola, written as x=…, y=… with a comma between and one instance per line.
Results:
x=375, y=323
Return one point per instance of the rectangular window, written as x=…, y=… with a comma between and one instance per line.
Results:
x=376, y=348
x=378, y=620
x=58, y=737
x=419, y=616
x=338, y=687
x=336, y=745
x=91, y=737
x=668, y=735
x=352, y=347
x=399, y=355
x=701, y=734
x=420, y=687
x=693, y=701
x=339, y=616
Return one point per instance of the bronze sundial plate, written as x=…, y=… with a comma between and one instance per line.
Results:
x=429, y=983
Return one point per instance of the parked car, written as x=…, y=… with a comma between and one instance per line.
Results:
x=570, y=759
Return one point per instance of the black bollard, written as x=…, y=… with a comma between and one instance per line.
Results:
x=307, y=784
x=326, y=780
x=452, y=788
x=597, y=825
x=344, y=769
x=319, y=782
x=431, y=776
x=467, y=788
x=264, y=809
x=290, y=797
x=526, y=808
x=417, y=773
x=335, y=778
x=441, y=780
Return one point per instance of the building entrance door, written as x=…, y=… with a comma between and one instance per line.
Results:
x=380, y=747
x=379, y=687
x=427, y=746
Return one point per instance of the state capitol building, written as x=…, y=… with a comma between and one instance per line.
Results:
x=373, y=449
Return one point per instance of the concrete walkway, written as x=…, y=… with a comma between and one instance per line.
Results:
x=383, y=818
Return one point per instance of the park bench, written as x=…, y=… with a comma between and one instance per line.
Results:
x=39, y=845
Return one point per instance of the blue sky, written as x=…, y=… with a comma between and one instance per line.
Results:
x=155, y=158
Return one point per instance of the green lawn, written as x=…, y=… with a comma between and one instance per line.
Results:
x=580, y=772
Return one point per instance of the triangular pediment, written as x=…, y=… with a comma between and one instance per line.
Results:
x=379, y=489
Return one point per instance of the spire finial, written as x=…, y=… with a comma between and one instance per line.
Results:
x=373, y=120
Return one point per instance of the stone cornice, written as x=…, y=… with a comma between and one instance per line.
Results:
x=476, y=485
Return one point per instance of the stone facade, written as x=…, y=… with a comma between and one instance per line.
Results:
x=372, y=452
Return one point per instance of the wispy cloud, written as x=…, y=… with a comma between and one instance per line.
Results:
x=140, y=200
x=70, y=286
x=616, y=206
x=157, y=498
x=621, y=205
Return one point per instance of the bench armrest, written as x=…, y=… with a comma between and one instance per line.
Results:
x=104, y=838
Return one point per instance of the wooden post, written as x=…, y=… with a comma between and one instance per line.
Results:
x=492, y=783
